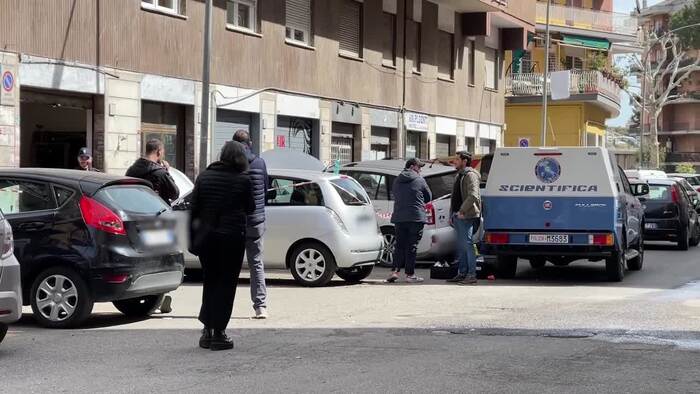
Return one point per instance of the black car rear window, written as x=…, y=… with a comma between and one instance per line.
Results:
x=441, y=185
x=131, y=199
x=661, y=193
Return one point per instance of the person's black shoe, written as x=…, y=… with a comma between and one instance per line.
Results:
x=205, y=339
x=457, y=278
x=166, y=305
x=220, y=341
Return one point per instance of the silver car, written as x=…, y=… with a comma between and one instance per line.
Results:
x=377, y=178
x=10, y=286
x=317, y=224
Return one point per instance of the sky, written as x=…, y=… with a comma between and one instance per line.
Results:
x=625, y=6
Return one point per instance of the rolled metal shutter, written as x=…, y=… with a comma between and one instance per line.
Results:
x=342, y=142
x=227, y=123
x=298, y=13
x=350, y=27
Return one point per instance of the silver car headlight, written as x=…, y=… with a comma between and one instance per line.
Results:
x=7, y=242
x=337, y=219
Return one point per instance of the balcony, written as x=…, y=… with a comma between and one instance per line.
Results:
x=587, y=20
x=581, y=82
x=683, y=157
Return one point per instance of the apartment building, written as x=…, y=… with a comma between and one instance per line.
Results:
x=679, y=123
x=585, y=34
x=339, y=79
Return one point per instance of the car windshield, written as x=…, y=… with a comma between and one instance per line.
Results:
x=131, y=199
x=350, y=191
x=659, y=193
x=441, y=185
x=184, y=184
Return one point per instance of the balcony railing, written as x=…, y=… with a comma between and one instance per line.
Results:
x=580, y=82
x=586, y=19
x=683, y=157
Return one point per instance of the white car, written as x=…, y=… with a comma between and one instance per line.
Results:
x=317, y=224
x=10, y=285
x=644, y=175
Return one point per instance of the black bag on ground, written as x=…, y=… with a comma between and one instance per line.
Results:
x=443, y=271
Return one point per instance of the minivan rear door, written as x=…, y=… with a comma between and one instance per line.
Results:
x=441, y=187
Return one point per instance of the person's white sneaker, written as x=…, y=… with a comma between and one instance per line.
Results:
x=261, y=313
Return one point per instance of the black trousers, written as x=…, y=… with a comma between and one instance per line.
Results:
x=221, y=265
x=407, y=237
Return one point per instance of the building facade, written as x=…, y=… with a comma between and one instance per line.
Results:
x=339, y=79
x=584, y=36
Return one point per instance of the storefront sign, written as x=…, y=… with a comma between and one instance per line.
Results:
x=414, y=121
x=346, y=113
x=383, y=118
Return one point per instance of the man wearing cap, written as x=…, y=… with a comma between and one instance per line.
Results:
x=411, y=193
x=465, y=214
x=85, y=160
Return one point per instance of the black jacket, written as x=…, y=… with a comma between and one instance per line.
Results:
x=259, y=180
x=411, y=193
x=159, y=177
x=222, y=198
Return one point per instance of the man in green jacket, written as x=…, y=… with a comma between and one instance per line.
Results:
x=465, y=215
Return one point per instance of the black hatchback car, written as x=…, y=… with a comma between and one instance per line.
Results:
x=670, y=214
x=85, y=237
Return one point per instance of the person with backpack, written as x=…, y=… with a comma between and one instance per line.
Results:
x=465, y=216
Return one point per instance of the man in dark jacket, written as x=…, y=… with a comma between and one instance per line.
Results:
x=85, y=160
x=411, y=193
x=256, y=226
x=153, y=168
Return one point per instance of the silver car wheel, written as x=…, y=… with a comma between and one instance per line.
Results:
x=386, y=256
x=310, y=264
x=56, y=298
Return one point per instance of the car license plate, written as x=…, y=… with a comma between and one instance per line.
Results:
x=549, y=238
x=650, y=226
x=157, y=237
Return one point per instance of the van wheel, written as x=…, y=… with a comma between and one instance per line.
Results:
x=636, y=263
x=507, y=266
x=538, y=262
x=355, y=274
x=3, y=331
x=312, y=265
x=139, y=307
x=683, y=238
x=60, y=298
x=386, y=256
x=615, y=267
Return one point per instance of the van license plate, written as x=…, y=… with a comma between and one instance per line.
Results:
x=157, y=237
x=549, y=239
x=650, y=226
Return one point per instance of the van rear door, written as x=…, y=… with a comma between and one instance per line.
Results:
x=562, y=189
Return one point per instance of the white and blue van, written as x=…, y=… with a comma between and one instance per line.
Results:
x=559, y=205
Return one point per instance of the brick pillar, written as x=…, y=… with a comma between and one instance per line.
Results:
x=122, y=131
x=432, y=139
x=9, y=113
x=363, y=144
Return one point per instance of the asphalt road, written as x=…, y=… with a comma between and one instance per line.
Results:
x=558, y=329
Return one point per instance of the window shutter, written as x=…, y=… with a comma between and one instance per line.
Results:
x=299, y=15
x=446, y=58
x=490, y=65
x=349, y=28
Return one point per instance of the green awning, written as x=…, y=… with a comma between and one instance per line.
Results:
x=587, y=42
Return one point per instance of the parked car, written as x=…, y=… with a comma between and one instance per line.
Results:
x=692, y=193
x=559, y=205
x=10, y=282
x=84, y=237
x=670, y=214
x=377, y=178
x=693, y=179
x=642, y=175
x=318, y=224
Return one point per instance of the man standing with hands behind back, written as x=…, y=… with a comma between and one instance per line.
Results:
x=465, y=214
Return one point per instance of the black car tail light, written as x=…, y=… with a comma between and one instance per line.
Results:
x=100, y=217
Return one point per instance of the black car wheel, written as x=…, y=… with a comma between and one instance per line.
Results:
x=615, y=267
x=139, y=307
x=507, y=266
x=60, y=298
x=355, y=274
x=695, y=240
x=3, y=331
x=683, y=238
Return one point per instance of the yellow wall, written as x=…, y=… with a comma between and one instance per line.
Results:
x=525, y=121
x=595, y=117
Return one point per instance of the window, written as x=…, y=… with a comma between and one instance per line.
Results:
x=62, y=195
x=374, y=185
x=242, y=14
x=294, y=192
x=446, y=55
x=469, y=143
x=23, y=196
x=472, y=62
x=389, y=39
x=170, y=6
x=350, y=191
x=416, y=29
x=350, y=28
x=413, y=141
x=625, y=182
x=298, y=21
x=131, y=199
x=441, y=185
x=491, y=65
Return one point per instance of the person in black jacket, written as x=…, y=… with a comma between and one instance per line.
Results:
x=256, y=226
x=154, y=169
x=222, y=199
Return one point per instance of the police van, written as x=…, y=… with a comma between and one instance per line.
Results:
x=559, y=205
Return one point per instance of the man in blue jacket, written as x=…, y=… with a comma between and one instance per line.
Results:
x=256, y=226
x=411, y=193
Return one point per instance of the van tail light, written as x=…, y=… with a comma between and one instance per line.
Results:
x=497, y=238
x=7, y=242
x=674, y=195
x=697, y=190
x=601, y=239
x=429, y=213
x=100, y=217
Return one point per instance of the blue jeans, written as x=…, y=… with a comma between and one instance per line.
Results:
x=407, y=237
x=466, y=256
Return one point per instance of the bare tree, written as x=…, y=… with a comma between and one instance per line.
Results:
x=672, y=67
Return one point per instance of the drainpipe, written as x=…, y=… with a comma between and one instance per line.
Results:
x=204, y=130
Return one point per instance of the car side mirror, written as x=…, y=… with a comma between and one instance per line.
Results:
x=640, y=189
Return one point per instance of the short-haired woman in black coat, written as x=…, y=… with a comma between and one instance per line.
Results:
x=221, y=200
